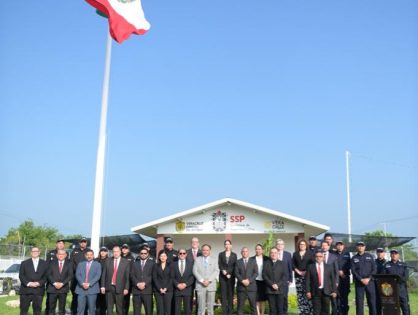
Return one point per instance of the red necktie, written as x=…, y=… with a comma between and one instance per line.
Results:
x=319, y=276
x=60, y=267
x=115, y=270
x=194, y=254
x=87, y=272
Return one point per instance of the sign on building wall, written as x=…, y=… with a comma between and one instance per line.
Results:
x=230, y=219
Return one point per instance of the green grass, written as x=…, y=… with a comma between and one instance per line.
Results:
x=413, y=301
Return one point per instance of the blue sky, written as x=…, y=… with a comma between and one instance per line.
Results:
x=256, y=101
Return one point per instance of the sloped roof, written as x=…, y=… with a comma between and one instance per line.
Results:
x=150, y=228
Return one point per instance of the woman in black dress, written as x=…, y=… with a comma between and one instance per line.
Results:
x=163, y=285
x=260, y=259
x=302, y=257
x=226, y=262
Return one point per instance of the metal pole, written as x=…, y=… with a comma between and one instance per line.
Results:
x=100, y=164
x=347, y=165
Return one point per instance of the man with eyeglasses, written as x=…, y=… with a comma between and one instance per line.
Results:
x=32, y=275
x=321, y=284
x=183, y=280
x=246, y=271
x=141, y=278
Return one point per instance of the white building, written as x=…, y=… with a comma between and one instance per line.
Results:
x=245, y=224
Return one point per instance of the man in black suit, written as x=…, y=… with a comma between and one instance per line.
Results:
x=321, y=284
x=183, y=281
x=59, y=275
x=115, y=281
x=275, y=275
x=126, y=254
x=32, y=275
x=286, y=257
x=141, y=279
x=192, y=253
x=330, y=258
x=246, y=271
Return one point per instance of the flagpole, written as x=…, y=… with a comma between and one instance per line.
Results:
x=347, y=177
x=101, y=149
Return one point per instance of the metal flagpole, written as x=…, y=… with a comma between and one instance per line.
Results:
x=100, y=163
x=347, y=166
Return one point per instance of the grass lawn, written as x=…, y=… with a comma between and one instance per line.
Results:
x=413, y=296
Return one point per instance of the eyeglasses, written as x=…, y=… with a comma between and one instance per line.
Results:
x=182, y=253
x=319, y=256
x=143, y=253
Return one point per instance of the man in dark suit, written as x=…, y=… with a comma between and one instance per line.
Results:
x=126, y=254
x=286, y=257
x=59, y=275
x=246, y=271
x=115, y=281
x=330, y=258
x=275, y=275
x=32, y=275
x=141, y=279
x=192, y=254
x=183, y=281
x=88, y=275
x=321, y=284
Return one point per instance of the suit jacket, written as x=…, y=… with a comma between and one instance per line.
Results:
x=28, y=274
x=329, y=282
x=223, y=265
x=93, y=278
x=54, y=275
x=209, y=272
x=139, y=275
x=275, y=273
x=287, y=260
x=186, y=278
x=162, y=279
x=250, y=272
x=190, y=254
x=122, y=275
x=333, y=262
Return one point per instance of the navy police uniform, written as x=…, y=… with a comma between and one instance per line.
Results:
x=363, y=266
x=344, y=264
x=399, y=268
x=380, y=269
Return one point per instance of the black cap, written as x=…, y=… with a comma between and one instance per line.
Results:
x=83, y=239
x=125, y=246
x=169, y=240
x=379, y=250
x=312, y=238
x=360, y=243
x=59, y=240
x=394, y=251
x=104, y=249
x=339, y=242
x=144, y=245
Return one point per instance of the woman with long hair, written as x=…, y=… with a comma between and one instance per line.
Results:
x=302, y=257
x=260, y=259
x=226, y=262
x=163, y=284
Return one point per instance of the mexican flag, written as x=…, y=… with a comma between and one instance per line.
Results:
x=125, y=17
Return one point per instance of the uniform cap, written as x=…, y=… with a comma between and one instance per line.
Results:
x=339, y=242
x=312, y=238
x=380, y=250
x=125, y=246
x=83, y=239
x=59, y=240
x=360, y=243
x=394, y=251
x=104, y=249
x=169, y=240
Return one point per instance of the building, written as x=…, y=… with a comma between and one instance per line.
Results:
x=245, y=224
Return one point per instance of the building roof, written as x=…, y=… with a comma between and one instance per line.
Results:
x=150, y=228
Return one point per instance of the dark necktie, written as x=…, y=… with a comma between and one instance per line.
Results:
x=60, y=267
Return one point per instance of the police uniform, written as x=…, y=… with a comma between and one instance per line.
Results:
x=380, y=269
x=399, y=268
x=127, y=298
x=363, y=266
x=77, y=256
x=344, y=264
x=101, y=303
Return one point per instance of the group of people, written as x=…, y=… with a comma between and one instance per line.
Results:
x=177, y=278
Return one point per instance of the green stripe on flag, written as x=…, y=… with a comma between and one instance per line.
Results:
x=101, y=14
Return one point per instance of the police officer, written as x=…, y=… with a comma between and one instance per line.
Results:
x=126, y=254
x=363, y=267
x=330, y=240
x=380, y=268
x=344, y=265
x=77, y=256
x=396, y=267
x=101, y=304
x=169, y=250
x=313, y=245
